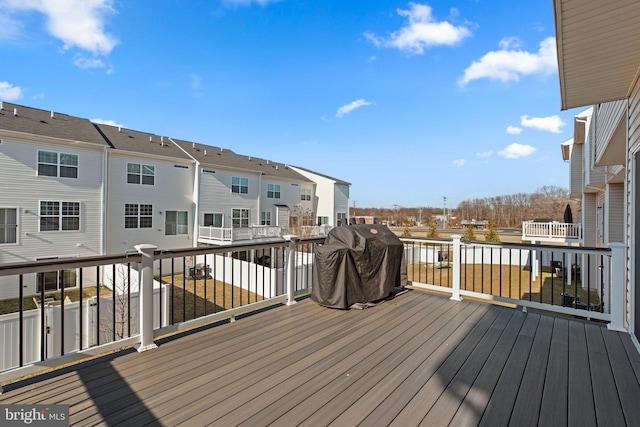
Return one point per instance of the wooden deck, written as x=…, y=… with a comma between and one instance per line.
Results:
x=419, y=359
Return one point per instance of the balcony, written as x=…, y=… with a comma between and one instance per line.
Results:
x=266, y=233
x=551, y=231
x=419, y=358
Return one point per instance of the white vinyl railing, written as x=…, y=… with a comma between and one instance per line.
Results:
x=551, y=230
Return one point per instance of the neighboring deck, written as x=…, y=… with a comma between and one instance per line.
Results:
x=419, y=358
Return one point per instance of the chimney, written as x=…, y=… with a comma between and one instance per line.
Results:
x=162, y=141
x=193, y=145
x=150, y=138
x=1, y=105
x=205, y=152
x=53, y=116
x=119, y=128
x=15, y=112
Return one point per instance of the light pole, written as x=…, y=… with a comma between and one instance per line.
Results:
x=444, y=213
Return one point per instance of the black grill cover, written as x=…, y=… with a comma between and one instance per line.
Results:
x=357, y=264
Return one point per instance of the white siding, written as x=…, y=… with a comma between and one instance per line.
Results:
x=216, y=195
x=172, y=190
x=289, y=195
x=325, y=189
x=341, y=200
x=24, y=189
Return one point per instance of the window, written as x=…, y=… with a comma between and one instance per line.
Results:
x=239, y=185
x=273, y=191
x=138, y=216
x=213, y=220
x=59, y=216
x=140, y=174
x=8, y=226
x=341, y=216
x=55, y=280
x=176, y=223
x=62, y=165
x=265, y=218
x=323, y=220
x=305, y=194
x=240, y=218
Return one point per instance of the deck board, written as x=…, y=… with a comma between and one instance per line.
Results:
x=418, y=358
x=581, y=410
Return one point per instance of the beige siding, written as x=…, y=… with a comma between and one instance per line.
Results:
x=576, y=170
x=607, y=116
x=614, y=205
x=589, y=221
x=633, y=145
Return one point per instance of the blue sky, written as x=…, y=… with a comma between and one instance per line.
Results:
x=409, y=102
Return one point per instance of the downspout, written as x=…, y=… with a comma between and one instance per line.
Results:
x=196, y=204
x=105, y=199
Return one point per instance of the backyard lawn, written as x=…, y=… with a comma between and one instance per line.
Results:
x=191, y=298
x=507, y=281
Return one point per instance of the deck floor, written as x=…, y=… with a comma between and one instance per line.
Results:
x=418, y=359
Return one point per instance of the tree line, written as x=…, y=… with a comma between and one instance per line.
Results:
x=546, y=203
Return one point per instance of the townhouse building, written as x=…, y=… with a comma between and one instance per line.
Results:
x=74, y=188
x=599, y=68
x=52, y=197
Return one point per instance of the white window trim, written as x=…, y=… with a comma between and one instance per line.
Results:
x=60, y=216
x=124, y=217
x=186, y=233
x=275, y=193
x=126, y=178
x=17, y=242
x=58, y=164
x=240, y=185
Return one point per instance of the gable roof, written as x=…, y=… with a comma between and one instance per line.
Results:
x=212, y=156
x=140, y=142
x=336, y=180
x=598, y=54
x=48, y=124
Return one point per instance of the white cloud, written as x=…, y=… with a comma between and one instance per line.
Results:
x=548, y=124
x=511, y=63
x=106, y=122
x=458, y=162
x=77, y=23
x=87, y=63
x=9, y=92
x=248, y=2
x=346, y=109
x=514, y=130
x=484, y=154
x=510, y=43
x=421, y=31
x=515, y=151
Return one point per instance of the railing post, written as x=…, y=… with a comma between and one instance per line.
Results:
x=617, y=284
x=290, y=268
x=146, y=297
x=457, y=261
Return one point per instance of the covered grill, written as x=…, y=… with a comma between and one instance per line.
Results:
x=358, y=264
